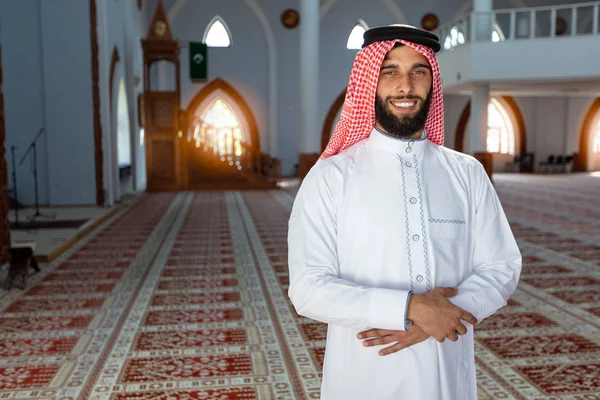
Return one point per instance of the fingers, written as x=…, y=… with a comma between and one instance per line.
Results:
x=453, y=336
x=447, y=291
x=392, y=349
x=467, y=316
x=379, y=341
x=372, y=333
x=460, y=329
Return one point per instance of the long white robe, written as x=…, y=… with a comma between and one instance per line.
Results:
x=378, y=220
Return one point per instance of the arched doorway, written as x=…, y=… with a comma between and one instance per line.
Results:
x=506, y=136
x=223, y=143
x=589, y=141
x=124, y=150
x=117, y=159
x=333, y=116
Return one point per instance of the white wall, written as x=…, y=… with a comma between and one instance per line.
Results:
x=47, y=83
x=553, y=125
x=47, y=73
x=246, y=65
x=539, y=60
x=20, y=35
x=121, y=25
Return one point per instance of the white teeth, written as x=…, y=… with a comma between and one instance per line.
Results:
x=403, y=104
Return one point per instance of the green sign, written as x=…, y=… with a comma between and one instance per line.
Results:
x=198, y=61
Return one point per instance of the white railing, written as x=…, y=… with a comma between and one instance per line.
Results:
x=521, y=23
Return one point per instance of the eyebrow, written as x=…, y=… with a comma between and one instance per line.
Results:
x=414, y=66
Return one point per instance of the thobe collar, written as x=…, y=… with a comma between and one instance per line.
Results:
x=404, y=147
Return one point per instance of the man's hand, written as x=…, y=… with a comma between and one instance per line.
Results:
x=437, y=316
x=403, y=339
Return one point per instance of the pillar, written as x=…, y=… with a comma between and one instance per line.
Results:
x=483, y=22
x=310, y=132
x=479, y=127
x=479, y=117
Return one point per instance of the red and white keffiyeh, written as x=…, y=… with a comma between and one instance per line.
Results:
x=358, y=113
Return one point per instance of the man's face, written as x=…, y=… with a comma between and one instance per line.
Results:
x=403, y=93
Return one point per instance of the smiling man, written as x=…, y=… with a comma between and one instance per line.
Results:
x=395, y=241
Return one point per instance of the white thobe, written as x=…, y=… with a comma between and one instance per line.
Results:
x=379, y=220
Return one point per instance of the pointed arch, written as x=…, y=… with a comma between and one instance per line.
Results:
x=220, y=85
x=330, y=119
x=115, y=58
x=582, y=162
x=515, y=113
x=217, y=33
x=355, y=38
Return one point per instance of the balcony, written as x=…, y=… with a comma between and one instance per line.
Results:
x=524, y=51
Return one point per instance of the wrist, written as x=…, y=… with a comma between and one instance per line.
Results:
x=412, y=310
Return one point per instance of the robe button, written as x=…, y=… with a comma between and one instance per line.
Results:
x=408, y=164
x=413, y=200
x=408, y=149
x=416, y=237
x=419, y=278
x=411, y=143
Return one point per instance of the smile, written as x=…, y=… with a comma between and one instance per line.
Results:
x=404, y=105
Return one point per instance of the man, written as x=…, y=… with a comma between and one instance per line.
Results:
x=396, y=242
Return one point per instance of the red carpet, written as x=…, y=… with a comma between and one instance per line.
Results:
x=183, y=296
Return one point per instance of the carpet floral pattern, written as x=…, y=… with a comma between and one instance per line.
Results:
x=183, y=296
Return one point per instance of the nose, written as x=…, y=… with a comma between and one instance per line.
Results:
x=404, y=84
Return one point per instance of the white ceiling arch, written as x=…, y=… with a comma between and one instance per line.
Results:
x=176, y=10
x=390, y=4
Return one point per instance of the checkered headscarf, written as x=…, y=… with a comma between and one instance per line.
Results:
x=358, y=113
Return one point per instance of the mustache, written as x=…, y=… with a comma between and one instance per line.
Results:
x=407, y=97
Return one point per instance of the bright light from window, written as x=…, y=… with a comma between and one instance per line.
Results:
x=500, y=137
x=142, y=137
x=355, y=40
x=219, y=130
x=217, y=35
x=596, y=142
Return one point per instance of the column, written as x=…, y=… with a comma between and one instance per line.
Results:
x=482, y=20
x=479, y=127
x=309, y=76
x=479, y=117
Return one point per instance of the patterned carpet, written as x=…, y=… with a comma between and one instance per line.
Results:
x=183, y=296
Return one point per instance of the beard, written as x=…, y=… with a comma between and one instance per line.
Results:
x=401, y=126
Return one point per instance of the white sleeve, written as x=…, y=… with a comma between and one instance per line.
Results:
x=497, y=259
x=316, y=290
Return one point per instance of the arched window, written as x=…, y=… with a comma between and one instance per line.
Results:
x=500, y=136
x=217, y=34
x=123, y=132
x=454, y=38
x=596, y=139
x=218, y=130
x=355, y=40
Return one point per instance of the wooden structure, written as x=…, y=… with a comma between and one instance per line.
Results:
x=161, y=109
x=4, y=200
x=179, y=153
x=98, y=152
x=487, y=160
